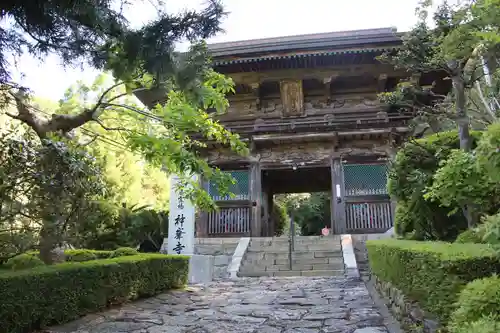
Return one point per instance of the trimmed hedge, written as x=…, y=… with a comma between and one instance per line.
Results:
x=123, y=252
x=431, y=273
x=49, y=295
x=80, y=255
x=24, y=261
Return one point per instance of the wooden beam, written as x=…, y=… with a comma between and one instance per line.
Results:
x=235, y=203
x=375, y=131
x=315, y=73
x=292, y=137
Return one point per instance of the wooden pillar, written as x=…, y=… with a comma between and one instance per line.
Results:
x=266, y=221
x=272, y=222
x=256, y=198
x=202, y=221
x=337, y=203
x=392, y=155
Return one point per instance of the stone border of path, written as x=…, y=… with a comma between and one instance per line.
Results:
x=239, y=252
x=350, y=264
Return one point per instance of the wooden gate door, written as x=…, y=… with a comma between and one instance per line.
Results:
x=367, y=203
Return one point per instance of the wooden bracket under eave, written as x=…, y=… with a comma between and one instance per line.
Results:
x=327, y=83
x=256, y=92
x=292, y=97
x=415, y=79
x=382, y=83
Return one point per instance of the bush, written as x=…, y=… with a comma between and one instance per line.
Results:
x=419, y=219
x=488, y=324
x=487, y=153
x=50, y=295
x=280, y=218
x=123, y=252
x=410, y=174
x=80, y=255
x=490, y=229
x=469, y=236
x=479, y=298
x=431, y=273
x=460, y=182
x=24, y=261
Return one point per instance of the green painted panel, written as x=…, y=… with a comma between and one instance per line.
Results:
x=365, y=179
x=241, y=188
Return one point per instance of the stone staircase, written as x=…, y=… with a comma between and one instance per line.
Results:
x=312, y=256
x=221, y=249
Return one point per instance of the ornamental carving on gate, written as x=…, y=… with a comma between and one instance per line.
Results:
x=292, y=98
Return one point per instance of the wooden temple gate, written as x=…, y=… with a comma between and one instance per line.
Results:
x=307, y=106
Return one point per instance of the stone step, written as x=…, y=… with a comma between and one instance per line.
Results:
x=277, y=268
x=314, y=261
x=284, y=238
x=295, y=255
x=290, y=273
x=285, y=244
x=296, y=249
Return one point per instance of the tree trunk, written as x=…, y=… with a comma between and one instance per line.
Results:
x=462, y=119
x=47, y=244
x=463, y=133
x=49, y=240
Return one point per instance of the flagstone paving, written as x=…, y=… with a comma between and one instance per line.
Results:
x=247, y=305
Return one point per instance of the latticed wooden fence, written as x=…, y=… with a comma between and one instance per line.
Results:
x=368, y=206
x=234, y=219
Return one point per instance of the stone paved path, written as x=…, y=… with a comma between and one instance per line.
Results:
x=266, y=305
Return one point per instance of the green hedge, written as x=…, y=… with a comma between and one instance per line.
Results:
x=43, y=296
x=123, y=252
x=80, y=255
x=23, y=261
x=431, y=273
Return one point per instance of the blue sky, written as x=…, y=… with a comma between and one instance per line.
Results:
x=247, y=20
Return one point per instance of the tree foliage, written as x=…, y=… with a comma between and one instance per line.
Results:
x=97, y=33
x=410, y=174
x=167, y=136
x=461, y=47
x=140, y=59
x=46, y=188
x=310, y=212
x=459, y=181
x=133, y=180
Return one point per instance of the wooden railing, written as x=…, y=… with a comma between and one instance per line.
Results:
x=232, y=220
x=369, y=216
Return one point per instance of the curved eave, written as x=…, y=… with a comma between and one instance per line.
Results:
x=303, y=54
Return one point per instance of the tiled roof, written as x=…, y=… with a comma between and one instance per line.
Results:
x=292, y=55
x=331, y=40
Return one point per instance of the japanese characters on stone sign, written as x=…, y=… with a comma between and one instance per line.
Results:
x=181, y=221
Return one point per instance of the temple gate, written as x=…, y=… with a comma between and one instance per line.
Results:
x=307, y=107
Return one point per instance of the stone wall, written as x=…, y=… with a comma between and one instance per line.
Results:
x=408, y=313
x=221, y=249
